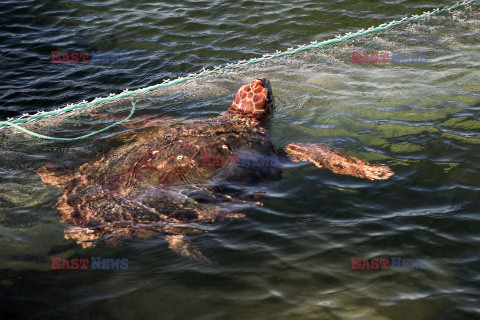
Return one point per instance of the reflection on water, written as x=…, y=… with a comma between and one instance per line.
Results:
x=291, y=258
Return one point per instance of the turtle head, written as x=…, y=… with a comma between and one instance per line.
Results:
x=254, y=100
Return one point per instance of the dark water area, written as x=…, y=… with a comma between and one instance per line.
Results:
x=292, y=257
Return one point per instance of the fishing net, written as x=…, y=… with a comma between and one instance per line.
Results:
x=414, y=45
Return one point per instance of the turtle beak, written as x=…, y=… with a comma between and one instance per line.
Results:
x=270, y=99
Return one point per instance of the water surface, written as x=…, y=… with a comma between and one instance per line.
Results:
x=288, y=259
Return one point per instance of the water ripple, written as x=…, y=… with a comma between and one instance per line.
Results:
x=291, y=258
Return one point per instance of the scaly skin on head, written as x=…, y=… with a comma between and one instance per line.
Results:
x=254, y=100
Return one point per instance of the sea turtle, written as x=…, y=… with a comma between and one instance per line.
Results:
x=176, y=177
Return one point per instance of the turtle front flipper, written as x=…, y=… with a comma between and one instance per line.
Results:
x=185, y=247
x=326, y=157
x=136, y=122
x=139, y=125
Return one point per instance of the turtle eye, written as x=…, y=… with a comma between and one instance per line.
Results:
x=179, y=157
x=225, y=146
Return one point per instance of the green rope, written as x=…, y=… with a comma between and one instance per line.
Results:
x=70, y=139
x=205, y=72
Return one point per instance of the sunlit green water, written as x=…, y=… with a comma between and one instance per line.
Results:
x=291, y=258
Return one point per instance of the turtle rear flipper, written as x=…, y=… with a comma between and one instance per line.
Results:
x=184, y=247
x=329, y=158
x=55, y=174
